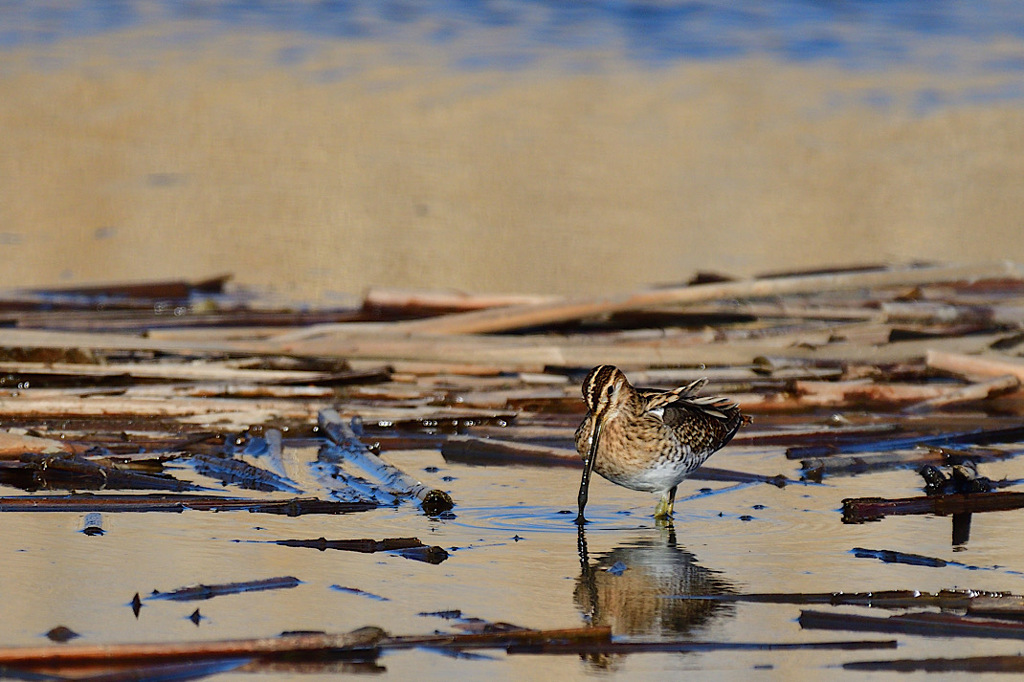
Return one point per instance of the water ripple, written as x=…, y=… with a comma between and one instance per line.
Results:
x=527, y=518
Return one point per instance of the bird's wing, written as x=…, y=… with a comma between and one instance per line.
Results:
x=657, y=400
x=712, y=405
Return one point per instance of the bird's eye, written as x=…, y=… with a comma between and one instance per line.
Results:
x=611, y=389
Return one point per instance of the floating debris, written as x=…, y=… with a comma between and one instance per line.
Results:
x=392, y=479
x=410, y=548
x=962, y=479
x=240, y=473
x=210, y=591
x=61, y=634
x=76, y=472
x=451, y=614
x=892, y=557
x=928, y=624
x=357, y=591
x=92, y=524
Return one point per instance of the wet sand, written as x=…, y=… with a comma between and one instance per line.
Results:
x=134, y=155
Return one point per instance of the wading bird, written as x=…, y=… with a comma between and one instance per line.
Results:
x=649, y=440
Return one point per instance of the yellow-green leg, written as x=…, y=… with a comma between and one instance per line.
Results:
x=666, y=505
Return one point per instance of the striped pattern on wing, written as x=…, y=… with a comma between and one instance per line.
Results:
x=713, y=406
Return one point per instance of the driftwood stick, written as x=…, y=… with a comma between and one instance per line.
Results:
x=983, y=390
x=241, y=473
x=13, y=445
x=147, y=291
x=344, y=485
x=363, y=642
x=363, y=545
x=518, y=317
x=969, y=664
x=44, y=338
x=175, y=503
x=165, y=372
x=338, y=430
x=997, y=606
x=382, y=343
x=274, y=456
x=990, y=602
x=1010, y=434
x=861, y=393
x=850, y=465
x=433, y=302
x=503, y=639
x=928, y=624
x=27, y=404
x=597, y=648
x=861, y=509
x=75, y=471
x=360, y=340
x=975, y=366
x=410, y=548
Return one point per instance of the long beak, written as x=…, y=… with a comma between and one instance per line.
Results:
x=588, y=468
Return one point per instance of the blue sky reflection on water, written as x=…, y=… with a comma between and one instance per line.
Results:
x=509, y=33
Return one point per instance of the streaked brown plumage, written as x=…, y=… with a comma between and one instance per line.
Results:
x=649, y=440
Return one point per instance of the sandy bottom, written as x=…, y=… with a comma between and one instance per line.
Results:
x=131, y=156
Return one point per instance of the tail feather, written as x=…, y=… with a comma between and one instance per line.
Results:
x=714, y=406
x=711, y=405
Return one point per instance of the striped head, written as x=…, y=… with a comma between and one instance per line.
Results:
x=606, y=389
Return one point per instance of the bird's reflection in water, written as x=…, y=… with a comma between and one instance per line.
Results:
x=631, y=587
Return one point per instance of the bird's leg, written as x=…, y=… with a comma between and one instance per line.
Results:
x=666, y=505
x=588, y=468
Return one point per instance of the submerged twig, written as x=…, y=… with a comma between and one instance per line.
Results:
x=199, y=592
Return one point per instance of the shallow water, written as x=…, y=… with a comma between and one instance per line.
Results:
x=514, y=558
